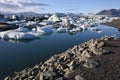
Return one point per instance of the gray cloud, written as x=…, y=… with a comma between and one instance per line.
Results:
x=9, y=6
x=33, y=4
x=14, y=6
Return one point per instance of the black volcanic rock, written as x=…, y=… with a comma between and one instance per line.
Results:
x=6, y=26
x=112, y=12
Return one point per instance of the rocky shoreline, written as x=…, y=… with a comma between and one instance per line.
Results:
x=72, y=64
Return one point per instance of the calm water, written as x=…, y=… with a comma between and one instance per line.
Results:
x=16, y=55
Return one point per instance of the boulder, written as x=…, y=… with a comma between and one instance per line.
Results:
x=7, y=78
x=41, y=76
x=101, y=44
x=86, y=53
x=97, y=51
x=49, y=75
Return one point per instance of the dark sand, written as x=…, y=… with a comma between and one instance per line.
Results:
x=109, y=68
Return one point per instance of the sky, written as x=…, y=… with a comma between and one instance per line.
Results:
x=52, y=6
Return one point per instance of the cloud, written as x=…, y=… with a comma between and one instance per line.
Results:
x=33, y=4
x=15, y=6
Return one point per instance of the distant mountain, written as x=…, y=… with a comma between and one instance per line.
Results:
x=43, y=14
x=111, y=12
x=28, y=14
x=74, y=14
x=25, y=14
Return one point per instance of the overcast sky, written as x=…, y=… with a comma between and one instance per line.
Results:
x=51, y=6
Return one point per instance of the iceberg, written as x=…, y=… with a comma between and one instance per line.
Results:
x=62, y=30
x=95, y=29
x=45, y=22
x=18, y=34
x=16, y=22
x=54, y=18
x=31, y=24
x=75, y=30
x=44, y=29
x=99, y=32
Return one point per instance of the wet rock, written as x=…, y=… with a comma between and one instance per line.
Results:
x=86, y=53
x=16, y=77
x=41, y=76
x=49, y=75
x=98, y=51
x=78, y=53
x=71, y=63
x=65, y=56
x=92, y=46
x=75, y=66
x=109, y=38
x=7, y=78
x=74, y=48
x=101, y=44
x=61, y=78
x=34, y=70
x=59, y=67
x=23, y=77
x=78, y=77
x=69, y=73
x=30, y=77
x=81, y=49
x=83, y=58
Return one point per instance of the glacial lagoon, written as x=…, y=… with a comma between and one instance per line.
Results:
x=16, y=55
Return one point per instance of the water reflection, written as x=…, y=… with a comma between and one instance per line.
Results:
x=20, y=41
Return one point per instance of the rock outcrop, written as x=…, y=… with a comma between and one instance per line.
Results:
x=6, y=26
x=111, y=12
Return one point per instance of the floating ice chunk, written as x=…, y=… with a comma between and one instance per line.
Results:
x=83, y=27
x=18, y=34
x=44, y=30
x=45, y=22
x=99, y=32
x=20, y=29
x=62, y=30
x=94, y=29
x=15, y=22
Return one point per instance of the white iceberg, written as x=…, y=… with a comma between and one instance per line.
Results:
x=31, y=24
x=62, y=30
x=18, y=34
x=44, y=29
x=99, y=32
x=16, y=22
x=45, y=22
x=75, y=30
x=95, y=29
x=54, y=18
